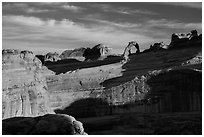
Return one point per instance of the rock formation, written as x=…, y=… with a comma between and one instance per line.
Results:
x=53, y=57
x=185, y=40
x=127, y=51
x=73, y=53
x=24, y=88
x=160, y=82
x=41, y=58
x=49, y=124
x=67, y=88
x=119, y=84
x=99, y=52
x=156, y=47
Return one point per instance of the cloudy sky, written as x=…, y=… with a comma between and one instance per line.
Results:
x=51, y=26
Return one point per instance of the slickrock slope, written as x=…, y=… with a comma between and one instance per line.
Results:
x=24, y=89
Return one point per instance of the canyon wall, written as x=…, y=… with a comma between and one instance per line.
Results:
x=164, y=83
x=155, y=92
x=66, y=88
x=24, y=88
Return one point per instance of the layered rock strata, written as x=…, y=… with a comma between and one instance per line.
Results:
x=24, y=88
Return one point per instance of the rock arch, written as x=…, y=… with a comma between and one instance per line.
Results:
x=127, y=51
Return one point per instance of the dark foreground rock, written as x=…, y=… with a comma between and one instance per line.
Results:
x=49, y=124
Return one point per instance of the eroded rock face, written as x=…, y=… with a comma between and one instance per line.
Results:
x=49, y=124
x=24, y=89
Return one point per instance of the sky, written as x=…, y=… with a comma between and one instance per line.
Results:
x=44, y=27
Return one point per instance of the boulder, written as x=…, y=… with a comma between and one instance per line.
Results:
x=49, y=124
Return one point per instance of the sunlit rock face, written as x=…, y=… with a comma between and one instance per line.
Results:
x=98, y=52
x=24, y=89
x=76, y=53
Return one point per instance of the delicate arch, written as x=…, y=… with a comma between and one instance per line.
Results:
x=127, y=51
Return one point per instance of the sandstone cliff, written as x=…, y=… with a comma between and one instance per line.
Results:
x=24, y=88
x=165, y=81
x=28, y=86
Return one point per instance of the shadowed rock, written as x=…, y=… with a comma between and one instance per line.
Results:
x=128, y=49
x=41, y=58
x=89, y=107
x=49, y=124
x=53, y=57
x=185, y=40
x=156, y=47
x=99, y=52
